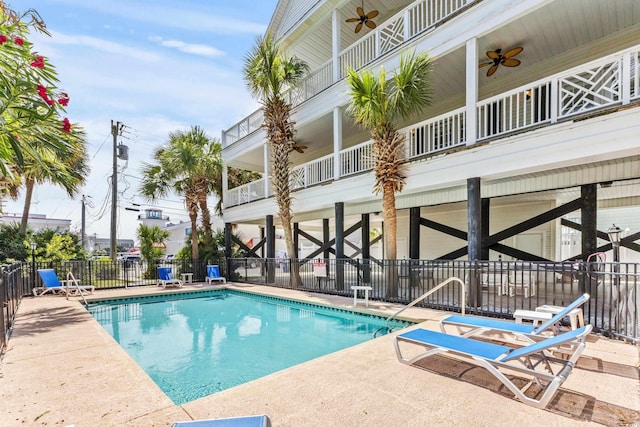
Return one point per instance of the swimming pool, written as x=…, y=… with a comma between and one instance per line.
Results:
x=198, y=343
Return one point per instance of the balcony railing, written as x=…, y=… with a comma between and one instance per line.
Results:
x=410, y=22
x=609, y=82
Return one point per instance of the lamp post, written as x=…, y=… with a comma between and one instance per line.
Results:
x=614, y=233
x=34, y=245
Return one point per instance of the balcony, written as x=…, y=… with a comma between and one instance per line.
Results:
x=597, y=87
x=414, y=20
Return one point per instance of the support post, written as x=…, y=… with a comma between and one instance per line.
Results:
x=589, y=234
x=325, y=238
x=227, y=249
x=366, y=253
x=339, y=215
x=474, y=240
x=484, y=228
x=271, y=249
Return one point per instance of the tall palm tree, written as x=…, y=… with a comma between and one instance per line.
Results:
x=269, y=73
x=184, y=166
x=376, y=104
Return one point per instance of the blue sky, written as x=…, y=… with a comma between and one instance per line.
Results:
x=155, y=65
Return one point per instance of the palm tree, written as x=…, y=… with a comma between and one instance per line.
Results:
x=269, y=73
x=41, y=164
x=375, y=105
x=185, y=167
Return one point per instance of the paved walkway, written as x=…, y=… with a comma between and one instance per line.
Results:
x=62, y=369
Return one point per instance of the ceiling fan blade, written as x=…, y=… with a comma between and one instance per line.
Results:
x=510, y=62
x=492, y=70
x=493, y=54
x=353, y=20
x=358, y=27
x=360, y=11
x=513, y=52
x=485, y=64
x=372, y=14
x=370, y=24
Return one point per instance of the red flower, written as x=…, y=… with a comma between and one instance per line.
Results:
x=18, y=41
x=66, y=125
x=42, y=91
x=3, y=38
x=38, y=62
x=63, y=99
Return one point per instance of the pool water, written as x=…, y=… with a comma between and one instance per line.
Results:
x=196, y=344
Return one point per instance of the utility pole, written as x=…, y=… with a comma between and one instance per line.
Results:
x=116, y=130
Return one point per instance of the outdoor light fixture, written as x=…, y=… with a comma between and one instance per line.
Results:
x=614, y=233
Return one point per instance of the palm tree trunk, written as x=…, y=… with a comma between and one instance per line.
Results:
x=192, y=207
x=390, y=229
x=282, y=190
x=29, y=185
x=206, y=214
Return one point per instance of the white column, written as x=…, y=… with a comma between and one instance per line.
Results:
x=225, y=184
x=335, y=45
x=337, y=141
x=267, y=183
x=472, y=91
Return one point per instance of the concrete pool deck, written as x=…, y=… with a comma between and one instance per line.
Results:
x=62, y=368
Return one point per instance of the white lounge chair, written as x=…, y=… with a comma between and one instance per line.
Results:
x=252, y=421
x=165, y=278
x=469, y=325
x=532, y=360
x=53, y=285
x=213, y=275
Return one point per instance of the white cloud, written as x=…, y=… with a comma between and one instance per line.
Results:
x=190, y=48
x=102, y=46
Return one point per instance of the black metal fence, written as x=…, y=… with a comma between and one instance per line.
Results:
x=12, y=287
x=493, y=288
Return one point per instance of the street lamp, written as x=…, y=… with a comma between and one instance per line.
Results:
x=34, y=245
x=614, y=233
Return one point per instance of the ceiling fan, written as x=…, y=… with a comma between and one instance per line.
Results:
x=364, y=18
x=498, y=58
x=295, y=147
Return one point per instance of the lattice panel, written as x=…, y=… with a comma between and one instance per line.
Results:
x=391, y=35
x=590, y=89
x=297, y=178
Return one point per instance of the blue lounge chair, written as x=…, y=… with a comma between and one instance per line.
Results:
x=253, y=421
x=165, y=278
x=213, y=275
x=478, y=325
x=53, y=285
x=532, y=360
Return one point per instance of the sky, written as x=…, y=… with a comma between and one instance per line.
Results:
x=157, y=66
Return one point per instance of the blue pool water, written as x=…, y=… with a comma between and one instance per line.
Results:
x=196, y=344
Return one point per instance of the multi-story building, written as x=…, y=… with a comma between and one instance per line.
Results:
x=510, y=156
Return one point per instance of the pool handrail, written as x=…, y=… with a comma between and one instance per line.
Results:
x=426, y=294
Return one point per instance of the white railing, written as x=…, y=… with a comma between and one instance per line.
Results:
x=245, y=193
x=634, y=85
x=311, y=173
x=425, y=14
x=596, y=86
x=357, y=159
x=437, y=134
x=589, y=87
x=514, y=110
x=243, y=128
